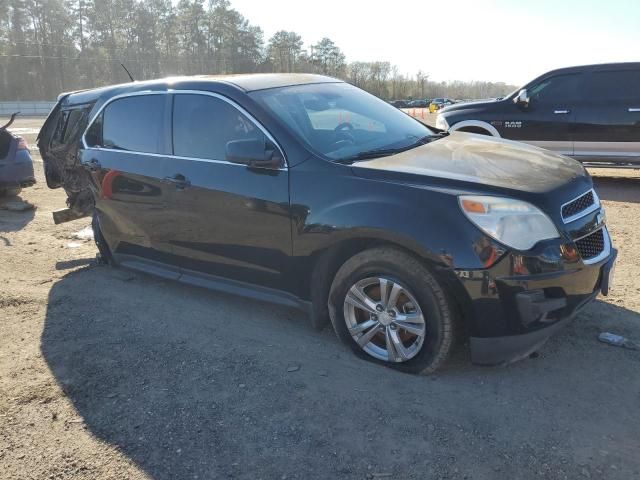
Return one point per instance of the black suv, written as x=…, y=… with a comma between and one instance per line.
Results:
x=590, y=113
x=307, y=191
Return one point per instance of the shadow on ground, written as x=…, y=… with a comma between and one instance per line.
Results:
x=193, y=384
x=13, y=221
x=78, y=262
x=618, y=189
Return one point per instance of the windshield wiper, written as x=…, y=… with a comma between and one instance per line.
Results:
x=369, y=154
x=385, y=152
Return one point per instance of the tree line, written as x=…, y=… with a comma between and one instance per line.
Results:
x=51, y=46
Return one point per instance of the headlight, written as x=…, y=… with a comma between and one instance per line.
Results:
x=514, y=223
x=441, y=122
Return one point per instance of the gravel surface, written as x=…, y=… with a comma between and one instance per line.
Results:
x=105, y=374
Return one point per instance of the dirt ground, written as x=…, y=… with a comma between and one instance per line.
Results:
x=109, y=374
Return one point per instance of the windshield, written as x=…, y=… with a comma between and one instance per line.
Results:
x=340, y=121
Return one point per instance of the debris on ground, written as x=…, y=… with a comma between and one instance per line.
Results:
x=618, y=341
x=85, y=234
x=293, y=368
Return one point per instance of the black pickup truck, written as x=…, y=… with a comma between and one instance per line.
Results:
x=591, y=113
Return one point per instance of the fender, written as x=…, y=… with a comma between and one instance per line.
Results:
x=475, y=123
x=431, y=237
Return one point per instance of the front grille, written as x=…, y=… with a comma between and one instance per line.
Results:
x=592, y=245
x=578, y=205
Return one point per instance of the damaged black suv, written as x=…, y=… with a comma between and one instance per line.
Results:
x=309, y=192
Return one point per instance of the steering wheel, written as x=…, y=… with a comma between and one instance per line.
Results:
x=343, y=132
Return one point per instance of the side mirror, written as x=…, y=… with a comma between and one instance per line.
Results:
x=522, y=98
x=254, y=153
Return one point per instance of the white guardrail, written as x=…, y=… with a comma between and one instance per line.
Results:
x=26, y=109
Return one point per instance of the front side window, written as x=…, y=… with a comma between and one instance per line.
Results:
x=560, y=88
x=203, y=126
x=340, y=121
x=134, y=124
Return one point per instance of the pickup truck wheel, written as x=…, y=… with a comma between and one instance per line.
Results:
x=101, y=243
x=389, y=308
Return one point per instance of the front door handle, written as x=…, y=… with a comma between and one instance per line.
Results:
x=561, y=112
x=632, y=109
x=179, y=180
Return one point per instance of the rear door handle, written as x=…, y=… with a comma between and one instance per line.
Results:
x=634, y=109
x=179, y=180
x=561, y=112
x=93, y=165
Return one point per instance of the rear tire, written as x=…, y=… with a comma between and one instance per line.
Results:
x=101, y=243
x=10, y=192
x=386, y=327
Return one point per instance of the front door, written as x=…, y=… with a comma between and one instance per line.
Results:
x=608, y=121
x=548, y=118
x=231, y=220
x=126, y=154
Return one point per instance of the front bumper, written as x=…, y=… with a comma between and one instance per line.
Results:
x=513, y=315
x=18, y=172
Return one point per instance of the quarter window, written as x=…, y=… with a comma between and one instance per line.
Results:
x=203, y=125
x=56, y=138
x=93, y=137
x=134, y=124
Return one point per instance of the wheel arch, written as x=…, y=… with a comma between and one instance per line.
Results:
x=326, y=262
x=475, y=124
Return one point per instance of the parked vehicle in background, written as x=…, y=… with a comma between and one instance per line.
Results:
x=419, y=104
x=591, y=113
x=439, y=103
x=16, y=166
x=307, y=191
x=400, y=103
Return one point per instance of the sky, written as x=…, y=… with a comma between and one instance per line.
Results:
x=493, y=40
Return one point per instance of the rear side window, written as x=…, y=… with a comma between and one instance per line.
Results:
x=203, y=125
x=134, y=124
x=69, y=126
x=613, y=85
x=560, y=88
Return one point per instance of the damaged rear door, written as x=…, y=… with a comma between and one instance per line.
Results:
x=125, y=149
x=59, y=143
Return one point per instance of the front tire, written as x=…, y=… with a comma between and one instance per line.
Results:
x=389, y=308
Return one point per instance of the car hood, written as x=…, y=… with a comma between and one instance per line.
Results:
x=473, y=104
x=478, y=159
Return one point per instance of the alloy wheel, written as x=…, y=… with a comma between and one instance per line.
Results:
x=384, y=319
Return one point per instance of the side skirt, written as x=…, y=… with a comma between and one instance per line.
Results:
x=213, y=282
